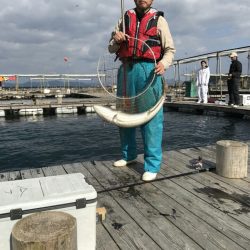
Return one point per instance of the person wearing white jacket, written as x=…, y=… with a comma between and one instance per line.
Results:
x=202, y=82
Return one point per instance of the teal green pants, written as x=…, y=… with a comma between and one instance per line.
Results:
x=136, y=76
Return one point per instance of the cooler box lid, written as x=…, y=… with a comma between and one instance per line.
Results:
x=45, y=193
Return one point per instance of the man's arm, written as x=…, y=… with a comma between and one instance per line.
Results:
x=166, y=42
x=114, y=45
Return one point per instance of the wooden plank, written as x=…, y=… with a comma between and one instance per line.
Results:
x=184, y=158
x=125, y=232
x=54, y=170
x=4, y=176
x=103, y=180
x=209, y=108
x=237, y=183
x=209, y=151
x=220, y=195
x=128, y=238
x=205, y=235
x=131, y=236
x=26, y=174
x=193, y=155
x=222, y=222
x=36, y=172
x=104, y=241
x=161, y=230
x=79, y=168
x=14, y=175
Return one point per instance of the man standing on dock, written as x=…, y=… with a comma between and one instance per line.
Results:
x=150, y=26
x=233, y=81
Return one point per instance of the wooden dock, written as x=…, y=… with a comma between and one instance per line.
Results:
x=208, y=108
x=186, y=210
x=50, y=105
x=46, y=104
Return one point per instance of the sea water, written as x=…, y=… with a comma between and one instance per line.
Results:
x=38, y=141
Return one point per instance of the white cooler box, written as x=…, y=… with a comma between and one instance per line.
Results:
x=244, y=99
x=69, y=193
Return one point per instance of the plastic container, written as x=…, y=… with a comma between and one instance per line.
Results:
x=191, y=89
x=69, y=193
x=244, y=99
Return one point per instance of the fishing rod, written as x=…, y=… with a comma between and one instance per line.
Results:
x=157, y=180
x=122, y=16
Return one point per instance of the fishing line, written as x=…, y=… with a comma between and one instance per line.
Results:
x=108, y=67
x=126, y=73
x=130, y=81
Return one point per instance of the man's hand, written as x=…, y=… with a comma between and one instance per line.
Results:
x=159, y=69
x=119, y=37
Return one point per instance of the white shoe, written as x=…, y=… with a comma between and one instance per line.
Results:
x=123, y=163
x=236, y=106
x=148, y=176
x=198, y=102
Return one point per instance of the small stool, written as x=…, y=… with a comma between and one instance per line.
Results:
x=46, y=230
x=231, y=159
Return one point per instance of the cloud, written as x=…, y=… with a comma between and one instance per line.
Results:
x=37, y=35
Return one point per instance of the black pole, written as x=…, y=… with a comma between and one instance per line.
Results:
x=156, y=180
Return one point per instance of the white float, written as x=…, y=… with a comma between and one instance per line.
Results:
x=2, y=113
x=66, y=110
x=24, y=112
x=89, y=109
x=46, y=91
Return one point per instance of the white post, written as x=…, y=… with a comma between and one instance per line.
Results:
x=231, y=159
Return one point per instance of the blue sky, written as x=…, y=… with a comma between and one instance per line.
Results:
x=37, y=34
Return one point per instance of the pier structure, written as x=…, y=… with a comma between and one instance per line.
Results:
x=52, y=106
x=183, y=208
x=219, y=66
x=60, y=105
x=54, y=100
x=190, y=106
x=58, y=99
x=42, y=79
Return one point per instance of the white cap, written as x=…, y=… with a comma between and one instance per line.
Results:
x=233, y=54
